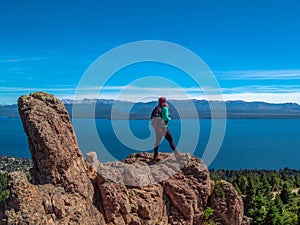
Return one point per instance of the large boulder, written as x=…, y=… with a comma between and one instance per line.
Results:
x=52, y=143
x=227, y=204
x=47, y=204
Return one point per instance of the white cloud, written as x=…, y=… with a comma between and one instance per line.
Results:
x=16, y=60
x=273, y=94
x=145, y=97
x=27, y=89
x=263, y=89
x=265, y=97
x=260, y=75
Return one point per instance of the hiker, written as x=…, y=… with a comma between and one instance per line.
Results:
x=159, y=120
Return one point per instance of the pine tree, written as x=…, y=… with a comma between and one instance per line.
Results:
x=286, y=194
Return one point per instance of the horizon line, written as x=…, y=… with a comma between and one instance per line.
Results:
x=190, y=99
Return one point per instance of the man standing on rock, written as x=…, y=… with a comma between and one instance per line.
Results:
x=159, y=120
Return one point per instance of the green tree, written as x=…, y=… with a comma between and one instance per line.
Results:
x=289, y=217
x=243, y=184
x=208, y=212
x=258, y=209
x=273, y=216
x=4, y=193
x=286, y=194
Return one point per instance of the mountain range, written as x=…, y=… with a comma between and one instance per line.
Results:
x=142, y=110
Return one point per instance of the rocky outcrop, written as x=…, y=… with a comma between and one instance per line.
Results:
x=227, y=204
x=47, y=204
x=52, y=143
x=179, y=199
x=67, y=190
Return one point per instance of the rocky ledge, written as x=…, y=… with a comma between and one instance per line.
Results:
x=66, y=190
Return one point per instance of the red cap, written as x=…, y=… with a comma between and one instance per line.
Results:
x=162, y=101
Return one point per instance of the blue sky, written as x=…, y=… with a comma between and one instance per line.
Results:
x=252, y=47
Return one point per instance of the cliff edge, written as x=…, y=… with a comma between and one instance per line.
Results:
x=66, y=190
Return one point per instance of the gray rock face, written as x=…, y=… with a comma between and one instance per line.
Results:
x=92, y=160
x=67, y=190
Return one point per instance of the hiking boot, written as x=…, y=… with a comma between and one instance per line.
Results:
x=178, y=155
x=156, y=158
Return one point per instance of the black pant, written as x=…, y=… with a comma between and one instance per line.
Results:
x=160, y=133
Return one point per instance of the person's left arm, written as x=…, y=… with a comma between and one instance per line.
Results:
x=165, y=114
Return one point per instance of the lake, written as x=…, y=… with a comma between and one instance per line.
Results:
x=248, y=143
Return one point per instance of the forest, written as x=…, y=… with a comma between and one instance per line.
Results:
x=271, y=197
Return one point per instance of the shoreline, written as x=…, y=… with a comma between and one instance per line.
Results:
x=10, y=163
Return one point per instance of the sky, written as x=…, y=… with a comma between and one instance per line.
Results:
x=252, y=47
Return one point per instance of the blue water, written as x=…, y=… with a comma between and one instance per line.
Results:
x=248, y=143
